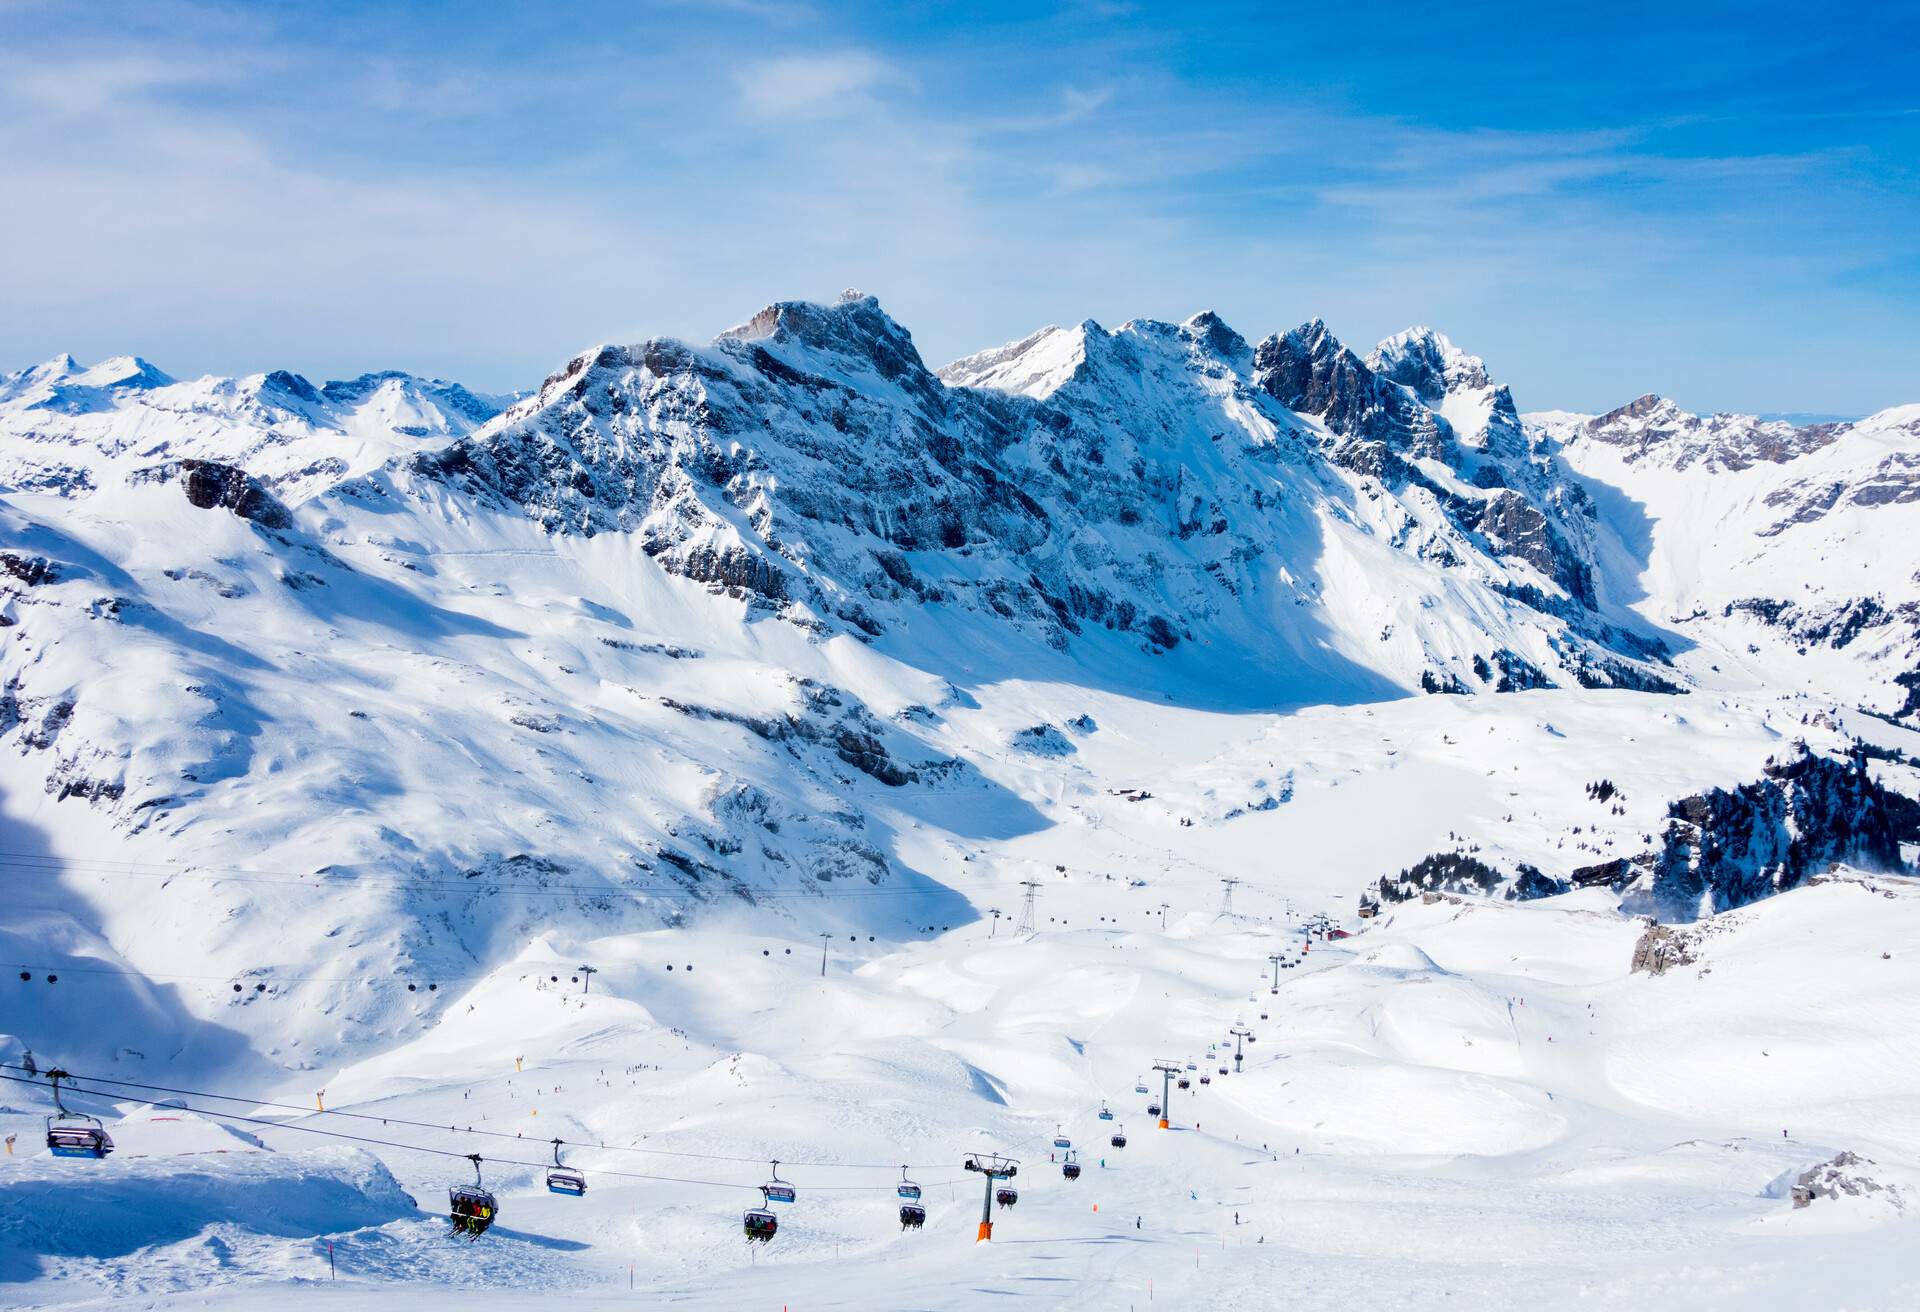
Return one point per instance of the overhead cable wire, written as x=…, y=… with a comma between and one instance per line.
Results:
x=431, y=1125
x=69, y=1086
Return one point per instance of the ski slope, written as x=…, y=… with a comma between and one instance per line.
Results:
x=1463, y=1100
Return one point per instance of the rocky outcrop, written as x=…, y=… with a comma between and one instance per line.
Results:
x=1846, y=1175
x=1661, y=948
x=1725, y=848
x=213, y=485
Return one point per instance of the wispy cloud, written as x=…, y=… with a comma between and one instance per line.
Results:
x=813, y=85
x=245, y=187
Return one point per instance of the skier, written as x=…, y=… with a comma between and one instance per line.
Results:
x=1136, y=1223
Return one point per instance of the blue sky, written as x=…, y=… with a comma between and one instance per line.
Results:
x=1717, y=202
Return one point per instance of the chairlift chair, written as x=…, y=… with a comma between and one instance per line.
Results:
x=759, y=1224
x=907, y=1188
x=1119, y=1139
x=1183, y=1083
x=1139, y=1088
x=1006, y=1197
x=912, y=1216
x=471, y=1207
x=776, y=1189
x=1206, y=1079
x=1105, y=1113
x=564, y=1179
x=1060, y=1140
x=1153, y=1109
x=75, y=1134
x=1070, y=1168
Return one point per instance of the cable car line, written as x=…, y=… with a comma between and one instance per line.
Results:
x=308, y=1112
x=447, y=1152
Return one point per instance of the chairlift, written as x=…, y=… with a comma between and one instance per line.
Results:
x=75, y=1134
x=759, y=1224
x=1223, y=1070
x=1070, y=1168
x=1206, y=1079
x=1139, y=1088
x=1192, y=1067
x=1153, y=1109
x=912, y=1216
x=1263, y=1015
x=1060, y=1140
x=1119, y=1139
x=1006, y=1197
x=564, y=1179
x=1183, y=1083
x=907, y=1188
x=776, y=1189
x=471, y=1207
x=1105, y=1114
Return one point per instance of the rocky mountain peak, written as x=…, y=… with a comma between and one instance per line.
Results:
x=1221, y=339
x=853, y=329
x=1429, y=364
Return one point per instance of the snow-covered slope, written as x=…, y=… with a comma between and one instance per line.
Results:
x=340, y=725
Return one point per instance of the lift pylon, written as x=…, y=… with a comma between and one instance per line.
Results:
x=1167, y=1069
x=994, y=1167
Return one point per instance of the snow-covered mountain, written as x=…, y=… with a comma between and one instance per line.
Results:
x=1786, y=547
x=63, y=428
x=778, y=678
x=739, y=628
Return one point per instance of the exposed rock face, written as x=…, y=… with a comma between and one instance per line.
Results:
x=1662, y=948
x=1308, y=370
x=1140, y=481
x=213, y=485
x=210, y=484
x=1727, y=847
x=1847, y=1175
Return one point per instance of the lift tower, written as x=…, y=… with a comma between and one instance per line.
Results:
x=1026, y=908
x=994, y=1167
x=1226, y=898
x=1240, y=1035
x=1167, y=1069
x=1276, y=958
